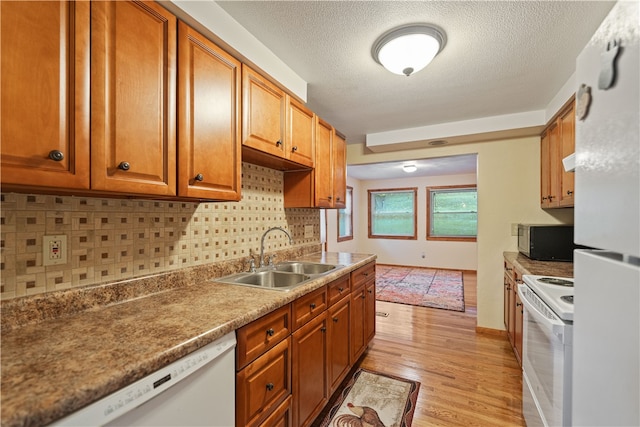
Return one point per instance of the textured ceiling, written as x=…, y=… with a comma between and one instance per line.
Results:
x=501, y=57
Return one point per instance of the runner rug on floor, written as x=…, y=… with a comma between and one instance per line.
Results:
x=427, y=287
x=373, y=399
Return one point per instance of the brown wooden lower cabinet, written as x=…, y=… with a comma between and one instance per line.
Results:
x=513, y=308
x=263, y=385
x=309, y=370
x=290, y=361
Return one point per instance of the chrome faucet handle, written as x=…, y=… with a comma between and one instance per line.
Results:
x=252, y=265
x=271, y=258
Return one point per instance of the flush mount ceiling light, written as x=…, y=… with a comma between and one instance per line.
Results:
x=408, y=49
x=409, y=168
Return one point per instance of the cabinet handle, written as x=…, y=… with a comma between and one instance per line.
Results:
x=508, y=287
x=370, y=291
x=569, y=192
x=551, y=197
x=270, y=386
x=335, y=319
x=294, y=148
x=125, y=166
x=56, y=155
x=278, y=143
x=518, y=304
x=330, y=197
x=340, y=290
x=199, y=177
x=312, y=305
x=270, y=332
x=365, y=274
x=544, y=198
x=323, y=329
x=363, y=296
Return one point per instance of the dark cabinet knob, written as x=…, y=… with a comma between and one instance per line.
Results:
x=312, y=305
x=199, y=177
x=56, y=155
x=363, y=295
x=125, y=166
x=340, y=290
x=270, y=386
x=278, y=143
x=370, y=291
x=294, y=148
x=550, y=197
x=270, y=332
x=323, y=329
x=569, y=192
x=335, y=319
x=330, y=197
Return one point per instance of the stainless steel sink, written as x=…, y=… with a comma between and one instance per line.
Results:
x=305, y=267
x=283, y=277
x=271, y=279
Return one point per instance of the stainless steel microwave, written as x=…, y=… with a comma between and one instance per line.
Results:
x=546, y=242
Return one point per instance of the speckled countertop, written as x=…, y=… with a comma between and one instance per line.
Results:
x=56, y=365
x=540, y=268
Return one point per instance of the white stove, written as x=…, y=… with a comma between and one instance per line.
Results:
x=556, y=292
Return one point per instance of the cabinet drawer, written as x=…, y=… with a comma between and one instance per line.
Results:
x=338, y=289
x=263, y=385
x=309, y=306
x=281, y=417
x=261, y=335
x=362, y=274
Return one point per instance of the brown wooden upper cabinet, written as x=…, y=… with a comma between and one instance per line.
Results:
x=133, y=103
x=325, y=185
x=209, y=82
x=277, y=130
x=44, y=94
x=557, y=142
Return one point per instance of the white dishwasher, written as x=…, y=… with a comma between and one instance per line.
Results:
x=197, y=390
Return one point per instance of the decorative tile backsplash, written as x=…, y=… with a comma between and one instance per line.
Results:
x=116, y=239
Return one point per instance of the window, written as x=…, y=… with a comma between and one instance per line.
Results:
x=392, y=213
x=452, y=213
x=345, y=218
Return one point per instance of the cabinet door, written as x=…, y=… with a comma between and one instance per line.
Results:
x=263, y=385
x=133, y=85
x=567, y=146
x=324, y=165
x=300, y=133
x=281, y=417
x=309, y=370
x=44, y=121
x=339, y=349
x=263, y=114
x=518, y=327
x=550, y=167
x=370, y=312
x=208, y=119
x=358, y=304
x=339, y=170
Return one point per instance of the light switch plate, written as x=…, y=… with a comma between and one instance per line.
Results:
x=54, y=250
x=308, y=231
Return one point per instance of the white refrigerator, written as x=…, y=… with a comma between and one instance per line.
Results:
x=606, y=348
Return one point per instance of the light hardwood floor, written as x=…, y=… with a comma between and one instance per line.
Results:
x=467, y=379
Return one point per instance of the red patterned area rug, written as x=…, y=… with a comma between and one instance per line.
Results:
x=426, y=287
x=371, y=399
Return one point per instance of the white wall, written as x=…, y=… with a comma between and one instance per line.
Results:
x=508, y=180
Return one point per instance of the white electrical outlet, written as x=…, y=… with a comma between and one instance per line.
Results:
x=54, y=250
x=308, y=231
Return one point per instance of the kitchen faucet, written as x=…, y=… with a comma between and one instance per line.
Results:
x=265, y=235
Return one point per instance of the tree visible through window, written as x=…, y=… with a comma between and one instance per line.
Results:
x=345, y=218
x=392, y=213
x=452, y=213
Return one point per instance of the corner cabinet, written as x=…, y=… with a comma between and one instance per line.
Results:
x=557, y=142
x=44, y=120
x=133, y=98
x=324, y=186
x=209, y=123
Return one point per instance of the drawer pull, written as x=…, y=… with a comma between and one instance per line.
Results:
x=323, y=329
x=270, y=332
x=125, y=166
x=278, y=143
x=312, y=305
x=56, y=155
x=270, y=386
x=370, y=291
x=294, y=148
x=340, y=290
x=363, y=295
x=199, y=177
x=335, y=319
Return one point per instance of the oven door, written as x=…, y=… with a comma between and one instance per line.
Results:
x=546, y=363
